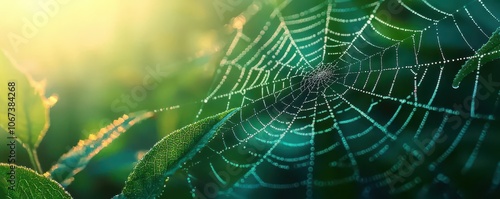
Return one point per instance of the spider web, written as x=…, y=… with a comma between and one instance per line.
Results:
x=353, y=99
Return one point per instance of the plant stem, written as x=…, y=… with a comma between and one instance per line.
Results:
x=34, y=160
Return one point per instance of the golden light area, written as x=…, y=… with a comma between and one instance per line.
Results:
x=45, y=36
x=238, y=22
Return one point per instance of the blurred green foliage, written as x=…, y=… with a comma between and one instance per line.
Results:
x=92, y=53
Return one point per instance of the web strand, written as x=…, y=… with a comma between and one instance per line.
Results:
x=335, y=94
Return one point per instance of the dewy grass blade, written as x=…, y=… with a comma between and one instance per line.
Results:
x=77, y=158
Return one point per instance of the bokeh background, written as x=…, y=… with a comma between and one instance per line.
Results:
x=92, y=53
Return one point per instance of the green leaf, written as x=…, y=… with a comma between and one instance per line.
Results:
x=168, y=155
x=4, y=186
x=487, y=53
x=31, y=109
x=26, y=183
x=78, y=157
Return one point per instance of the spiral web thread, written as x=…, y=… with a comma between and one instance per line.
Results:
x=336, y=92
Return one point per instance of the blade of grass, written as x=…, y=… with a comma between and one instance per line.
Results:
x=78, y=157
